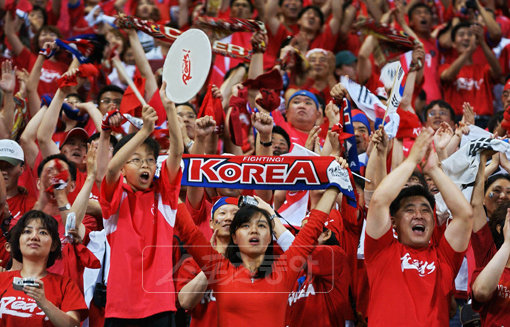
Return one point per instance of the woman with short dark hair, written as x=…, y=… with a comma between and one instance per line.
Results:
x=36, y=244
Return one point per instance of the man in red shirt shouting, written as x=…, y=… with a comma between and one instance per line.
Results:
x=416, y=272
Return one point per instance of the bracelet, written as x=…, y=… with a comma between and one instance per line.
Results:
x=64, y=208
x=190, y=143
x=266, y=144
x=273, y=216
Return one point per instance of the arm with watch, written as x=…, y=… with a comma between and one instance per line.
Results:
x=263, y=123
x=79, y=206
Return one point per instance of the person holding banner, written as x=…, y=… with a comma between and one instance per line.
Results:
x=139, y=215
x=412, y=273
x=249, y=264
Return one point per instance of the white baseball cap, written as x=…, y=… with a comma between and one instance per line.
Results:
x=11, y=152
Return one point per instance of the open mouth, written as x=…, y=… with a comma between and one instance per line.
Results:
x=76, y=154
x=254, y=241
x=419, y=229
x=144, y=176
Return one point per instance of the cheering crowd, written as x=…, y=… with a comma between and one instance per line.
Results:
x=399, y=109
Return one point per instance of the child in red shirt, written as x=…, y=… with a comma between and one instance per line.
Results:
x=139, y=215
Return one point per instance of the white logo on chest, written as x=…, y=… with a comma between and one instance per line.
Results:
x=423, y=267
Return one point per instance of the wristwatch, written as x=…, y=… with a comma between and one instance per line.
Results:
x=64, y=208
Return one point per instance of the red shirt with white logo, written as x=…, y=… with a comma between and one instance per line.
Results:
x=20, y=203
x=50, y=72
x=18, y=309
x=140, y=282
x=204, y=313
x=408, y=286
x=242, y=299
x=472, y=84
x=321, y=295
x=495, y=313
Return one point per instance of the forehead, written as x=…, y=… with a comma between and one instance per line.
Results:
x=310, y=11
x=415, y=200
x=75, y=140
x=52, y=163
x=301, y=98
x=462, y=31
x=143, y=149
x=185, y=108
x=502, y=182
x=278, y=137
x=227, y=207
x=244, y=3
x=420, y=10
x=111, y=95
x=35, y=223
x=317, y=55
x=359, y=125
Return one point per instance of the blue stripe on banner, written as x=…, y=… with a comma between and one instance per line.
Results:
x=350, y=143
x=259, y=172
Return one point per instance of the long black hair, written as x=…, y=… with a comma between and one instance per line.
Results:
x=47, y=222
x=233, y=254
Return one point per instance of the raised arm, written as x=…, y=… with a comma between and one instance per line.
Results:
x=378, y=217
x=79, y=206
x=173, y=162
x=451, y=72
x=29, y=136
x=263, y=123
x=11, y=28
x=337, y=13
x=458, y=232
x=493, y=28
x=7, y=84
x=487, y=51
x=270, y=18
x=487, y=281
x=376, y=166
x=49, y=124
x=142, y=64
x=149, y=116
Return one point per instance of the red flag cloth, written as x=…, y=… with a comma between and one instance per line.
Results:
x=161, y=136
x=270, y=80
x=156, y=103
x=212, y=107
x=130, y=102
x=237, y=130
x=270, y=99
x=409, y=126
x=506, y=120
x=88, y=71
x=76, y=258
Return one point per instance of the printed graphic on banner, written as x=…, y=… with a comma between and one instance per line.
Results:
x=264, y=172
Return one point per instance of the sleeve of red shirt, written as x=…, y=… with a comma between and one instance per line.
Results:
x=328, y=261
x=110, y=202
x=306, y=240
x=197, y=245
x=187, y=271
x=477, y=306
x=73, y=299
x=449, y=255
x=483, y=246
x=374, y=246
x=170, y=191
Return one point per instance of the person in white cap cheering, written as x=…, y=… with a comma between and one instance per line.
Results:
x=12, y=165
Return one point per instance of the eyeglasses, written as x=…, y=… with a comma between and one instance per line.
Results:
x=108, y=101
x=438, y=113
x=138, y=162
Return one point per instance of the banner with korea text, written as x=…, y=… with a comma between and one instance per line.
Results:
x=266, y=172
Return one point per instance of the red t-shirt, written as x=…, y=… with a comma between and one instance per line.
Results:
x=21, y=203
x=495, y=313
x=267, y=299
x=409, y=287
x=202, y=216
x=504, y=60
x=19, y=309
x=140, y=282
x=295, y=135
x=430, y=70
x=472, y=84
x=204, y=313
x=321, y=295
x=50, y=72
